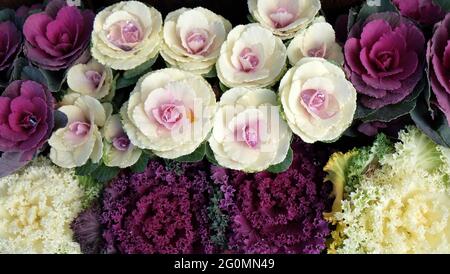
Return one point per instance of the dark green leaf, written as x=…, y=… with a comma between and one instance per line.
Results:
x=210, y=155
x=124, y=82
x=140, y=70
x=392, y=112
x=375, y=6
x=86, y=169
x=18, y=66
x=195, y=156
x=437, y=129
x=141, y=164
x=283, y=166
x=362, y=111
x=55, y=79
x=444, y=4
x=60, y=119
x=104, y=173
x=223, y=88
x=251, y=19
x=7, y=15
x=32, y=73
x=352, y=14
x=211, y=74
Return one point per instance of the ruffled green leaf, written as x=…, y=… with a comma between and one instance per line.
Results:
x=283, y=166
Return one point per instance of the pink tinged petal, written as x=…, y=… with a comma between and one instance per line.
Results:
x=282, y=17
x=7, y=145
x=77, y=132
x=352, y=51
x=320, y=103
x=35, y=26
x=169, y=115
x=248, y=134
x=373, y=31
x=125, y=34
x=197, y=41
x=248, y=60
x=121, y=143
x=318, y=52
x=95, y=78
x=442, y=96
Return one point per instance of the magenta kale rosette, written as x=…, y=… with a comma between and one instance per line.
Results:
x=59, y=36
x=26, y=121
x=425, y=12
x=278, y=213
x=10, y=44
x=162, y=210
x=384, y=59
x=439, y=65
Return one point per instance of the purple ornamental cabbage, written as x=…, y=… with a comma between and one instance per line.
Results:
x=26, y=123
x=10, y=44
x=384, y=59
x=424, y=12
x=59, y=36
x=163, y=210
x=278, y=213
x=87, y=230
x=438, y=57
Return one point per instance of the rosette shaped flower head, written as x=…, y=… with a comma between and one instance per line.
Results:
x=126, y=35
x=10, y=44
x=118, y=150
x=80, y=140
x=439, y=65
x=384, y=58
x=392, y=198
x=278, y=213
x=59, y=36
x=317, y=40
x=170, y=112
x=158, y=211
x=248, y=132
x=318, y=101
x=192, y=39
x=425, y=12
x=26, y=121
x=284, y=17
x=251, y=57
x=91, y=79
x=37, y=205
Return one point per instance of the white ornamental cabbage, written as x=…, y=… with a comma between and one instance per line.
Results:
x=126, y=35
x=317, y=40
x=251, y=57
x=284, y=17
x=170, y=112
x=248, y=132
x=192, y=39
x=92, y=78
x=318, y=101
x=80, y=140
x=118, y=150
